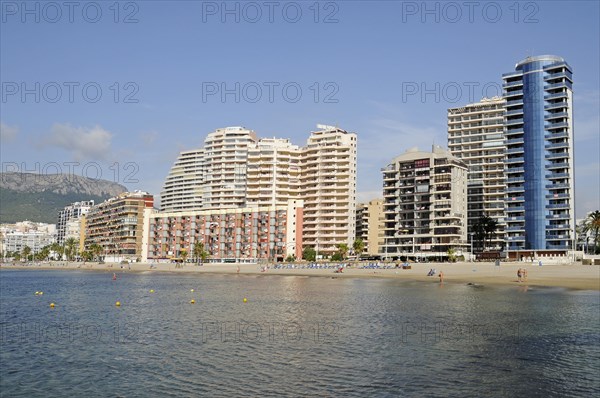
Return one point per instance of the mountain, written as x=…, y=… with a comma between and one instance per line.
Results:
x=39, y=198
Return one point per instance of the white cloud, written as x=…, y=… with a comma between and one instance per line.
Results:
x=82, y=142
x=8, y=133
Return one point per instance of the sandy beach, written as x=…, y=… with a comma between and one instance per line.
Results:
x=573, y=276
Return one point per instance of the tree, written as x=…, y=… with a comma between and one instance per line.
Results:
x=184, y=254
x=485, y=228
x=96, y=250
x=358, y=246
x=452, y=255
x=71, y=248
x=490, y=226
x=342, y=250
x=290, y=258
x=58, y=249
x=592, y=224
x=26, y=252
x=309, y=254
x=199, y=253
x=87, y=255
x=337, y=256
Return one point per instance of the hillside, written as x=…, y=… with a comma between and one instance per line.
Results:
x=39, y=198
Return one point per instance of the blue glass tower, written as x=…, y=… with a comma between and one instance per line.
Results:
x=538, y=132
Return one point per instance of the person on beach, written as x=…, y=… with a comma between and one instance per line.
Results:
x=519, y=274
x=238, y=269
x=441, y=275
x=525, y=274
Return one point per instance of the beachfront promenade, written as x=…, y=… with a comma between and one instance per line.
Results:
x=573, y=276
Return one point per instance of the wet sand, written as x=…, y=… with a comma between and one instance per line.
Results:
x=573, y=276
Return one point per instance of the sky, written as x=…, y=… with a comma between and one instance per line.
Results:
x=115, y=90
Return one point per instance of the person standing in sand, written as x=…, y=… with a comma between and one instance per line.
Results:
x=441, y=275
x=238, y=269
x=519, y=274
x=525, y=274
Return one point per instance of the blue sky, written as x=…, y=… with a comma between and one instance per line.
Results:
x=138, y=82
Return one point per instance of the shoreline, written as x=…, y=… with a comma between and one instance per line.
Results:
x=570, y=276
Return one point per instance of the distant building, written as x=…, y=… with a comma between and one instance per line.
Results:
x=540, y=212
x=273, y=172
x=14, y=237
x=369, y=225
x=241, y=234
x=184, y=187
x=476, y=135
x=117, y=225
x=328, y=184
x=234, y=169
x=425, y=204
x=70, y=212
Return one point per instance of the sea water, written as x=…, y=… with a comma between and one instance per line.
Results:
x=292, y=336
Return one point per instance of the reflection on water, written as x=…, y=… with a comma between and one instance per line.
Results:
x=293, y=336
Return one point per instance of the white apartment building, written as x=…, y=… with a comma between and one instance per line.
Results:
x=425, y=204
x=475, y=135
x=273, y=173
x=328, y=183
x=14, y=237
x=184, y=187
x=70, y=212
x=226, y=154
x=213, y=176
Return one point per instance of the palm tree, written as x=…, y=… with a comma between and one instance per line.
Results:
x=343, y=250
x=592, y=224
x=58, y=249
x=198, y=252
x=358, y=246
x=485, y=228
x=183, y=253
x=95, y=250
x=26, y=252
x=490, y=227
x=71, y=248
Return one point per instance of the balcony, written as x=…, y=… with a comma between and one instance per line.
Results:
x=557, y=145
x=558, y=165
x=514, y=160
x=552, y=126
x=514, y=93
x=557, y=176
x=557, y=186
x=510, y=122
x=514, y=150
x=556, y=105
x=558, y=206
x=555, y=95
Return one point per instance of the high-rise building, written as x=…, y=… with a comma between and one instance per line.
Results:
x=369, y=225
x=476, y=135
x=213, y=176
x=328, y=183
x=539, y=155
x=117, y=225
x=273, y=172
x=236, y=170
x=425, y=204
x=184, y=187
x=70, y=212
